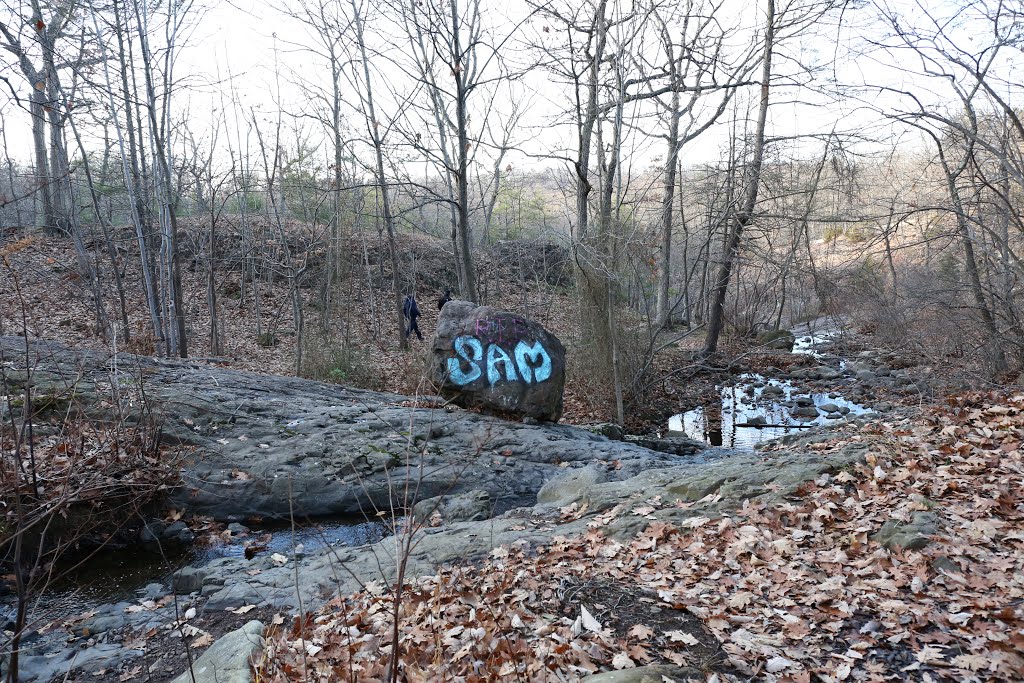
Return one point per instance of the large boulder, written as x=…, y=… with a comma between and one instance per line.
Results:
x=483, y=357
x=777, y=339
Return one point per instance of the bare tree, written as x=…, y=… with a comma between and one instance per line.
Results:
x=34, y=44
x=457, y=60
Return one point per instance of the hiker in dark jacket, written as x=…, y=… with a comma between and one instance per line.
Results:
x=444, y=299
x=411, y=311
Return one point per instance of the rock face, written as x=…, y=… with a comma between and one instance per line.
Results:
x=705, y=489
x=266, y=445
x=227, y=660
x=777, y=339
x=471, y=506
x=483, y=357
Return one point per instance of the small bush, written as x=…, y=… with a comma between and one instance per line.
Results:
x=328, y=360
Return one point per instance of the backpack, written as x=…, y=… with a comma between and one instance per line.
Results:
x=409, y=308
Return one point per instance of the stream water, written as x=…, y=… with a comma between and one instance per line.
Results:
x=755, y=408
x=115, y=575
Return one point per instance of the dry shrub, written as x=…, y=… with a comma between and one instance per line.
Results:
x=931, y=312
x=327, y=359
x=71, y=483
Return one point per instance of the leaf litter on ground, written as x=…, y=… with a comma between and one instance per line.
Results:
x=793, y=591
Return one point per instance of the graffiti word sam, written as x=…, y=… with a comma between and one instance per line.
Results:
x=528, y=362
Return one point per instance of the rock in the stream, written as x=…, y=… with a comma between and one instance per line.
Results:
x=237, y=529
x=482, y=356
x=228, y=660
x=178, y=532
x=805, y=411
x=188, y=580
x=777, y=339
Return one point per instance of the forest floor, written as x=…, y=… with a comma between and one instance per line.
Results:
x=807, y=590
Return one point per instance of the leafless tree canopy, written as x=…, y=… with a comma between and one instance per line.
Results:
x=706, y=167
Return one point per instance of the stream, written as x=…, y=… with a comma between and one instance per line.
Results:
x=750, y=409
x=753, y=408
x=125, y=575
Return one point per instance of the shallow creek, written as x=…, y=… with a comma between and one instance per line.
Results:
x=754, y=408
x=116, y=575
x=749, y=410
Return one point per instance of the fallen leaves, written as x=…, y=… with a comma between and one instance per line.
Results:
x=794, y=591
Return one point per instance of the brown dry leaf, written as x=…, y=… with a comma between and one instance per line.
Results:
x=204, y=640
x=642, y=632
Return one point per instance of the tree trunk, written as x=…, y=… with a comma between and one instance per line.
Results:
x=970, y=261
x=462, y=179
x=664, y=306
x=716, y=320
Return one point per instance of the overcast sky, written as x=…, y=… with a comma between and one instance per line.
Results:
x=263, y=50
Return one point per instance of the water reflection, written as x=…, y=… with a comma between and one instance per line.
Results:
x=757, y=409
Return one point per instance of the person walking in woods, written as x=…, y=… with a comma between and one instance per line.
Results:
x=444, y=299
x=411, y=311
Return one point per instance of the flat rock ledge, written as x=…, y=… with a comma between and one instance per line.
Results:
x=263, y=444
x=273, y=446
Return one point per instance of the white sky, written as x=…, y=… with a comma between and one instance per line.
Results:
x=240, y=37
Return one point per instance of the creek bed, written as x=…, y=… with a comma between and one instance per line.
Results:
x=732, y=420
x=115, y=575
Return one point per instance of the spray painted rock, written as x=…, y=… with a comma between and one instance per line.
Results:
x=483, y=357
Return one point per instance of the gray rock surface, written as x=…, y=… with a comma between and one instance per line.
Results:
x=482, y=356
x=266, y=444
x=570, y=486
x=708, y=488
x=912, y=535
x=777, y=339
x=88, y=658
x=227, y=660
x=237, y=594
x=675, y=443
x=471, y=506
